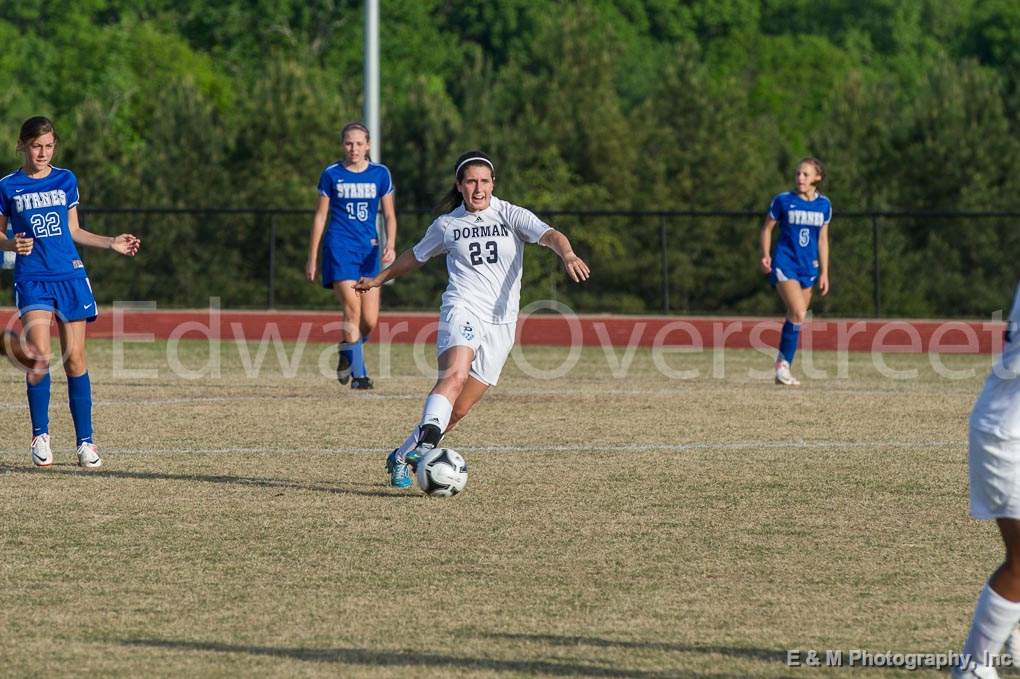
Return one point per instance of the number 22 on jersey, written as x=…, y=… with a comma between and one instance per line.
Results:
x=45, y=225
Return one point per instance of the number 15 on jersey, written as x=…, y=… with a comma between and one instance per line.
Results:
x=358, y=211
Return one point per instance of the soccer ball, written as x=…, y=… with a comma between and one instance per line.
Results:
x=442, y=472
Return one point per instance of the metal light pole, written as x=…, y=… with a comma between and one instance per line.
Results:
x=372, y=96
x=372, y=76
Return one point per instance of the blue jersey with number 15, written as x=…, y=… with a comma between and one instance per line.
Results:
x=800, y=222
x=38, y=208
x=353, y=204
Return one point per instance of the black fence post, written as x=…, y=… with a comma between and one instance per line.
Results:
x=270, y=296
x=876, y=269
x=663, y=245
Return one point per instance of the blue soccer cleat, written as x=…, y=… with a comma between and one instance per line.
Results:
x=413, y=456
x=400, y=477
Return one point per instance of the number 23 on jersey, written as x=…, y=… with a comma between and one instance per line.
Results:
x=491, y=255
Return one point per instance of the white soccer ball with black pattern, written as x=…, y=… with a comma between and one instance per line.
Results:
x=442, y=472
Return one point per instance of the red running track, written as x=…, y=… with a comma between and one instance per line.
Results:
x=899, y=336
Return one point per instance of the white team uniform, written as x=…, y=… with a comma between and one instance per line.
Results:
x=994, y=450
x=484, y=258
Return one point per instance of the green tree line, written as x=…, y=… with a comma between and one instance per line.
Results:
x=598, y=104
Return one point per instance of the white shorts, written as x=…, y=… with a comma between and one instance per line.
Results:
x=994, y=476
x=491, y=342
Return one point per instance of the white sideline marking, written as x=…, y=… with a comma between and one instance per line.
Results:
x=574, y=448
x=419, y=395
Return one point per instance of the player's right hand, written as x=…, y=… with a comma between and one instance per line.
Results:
x=364, y=284
x=23, y=244
x=310, y=271
x=766, y=264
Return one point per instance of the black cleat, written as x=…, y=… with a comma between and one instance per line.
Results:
x=362, y=383
x=343, y=369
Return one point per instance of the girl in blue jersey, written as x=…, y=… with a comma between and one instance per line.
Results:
x=350, y=193
x=39, y=201
x=801, y=257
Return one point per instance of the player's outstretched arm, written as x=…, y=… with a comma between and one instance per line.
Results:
x=125, y=243
x=560, y=244
x=405, y=263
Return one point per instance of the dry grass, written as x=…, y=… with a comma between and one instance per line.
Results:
x=635, y=527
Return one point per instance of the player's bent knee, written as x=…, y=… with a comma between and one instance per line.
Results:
x=75, y=365
x=453, y=380
x=797, y=316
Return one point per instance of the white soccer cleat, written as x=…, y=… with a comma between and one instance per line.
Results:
x=88, y=456
x=42, y=456
x=783, y=374
x=975, y=671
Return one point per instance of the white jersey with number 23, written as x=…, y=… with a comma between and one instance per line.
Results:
x=484, y=257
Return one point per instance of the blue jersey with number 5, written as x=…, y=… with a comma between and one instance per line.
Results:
x=38, y=208
x=800, y=222
x=353, y=204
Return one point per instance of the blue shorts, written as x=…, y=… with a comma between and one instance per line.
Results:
x=69, y=300
x=784, y=270
x=340, y=264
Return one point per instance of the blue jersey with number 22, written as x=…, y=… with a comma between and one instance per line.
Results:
x=38, y=208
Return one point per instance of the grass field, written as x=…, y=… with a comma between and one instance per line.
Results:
x=612, y=527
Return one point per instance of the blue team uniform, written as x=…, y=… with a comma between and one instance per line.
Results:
x=350, y=245
x=800, y=222
x=53, y=276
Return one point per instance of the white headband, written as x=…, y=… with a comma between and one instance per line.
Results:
x=472, y=159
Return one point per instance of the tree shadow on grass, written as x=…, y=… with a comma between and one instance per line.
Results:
x=340, y=488
x=412, y=659
x=763, y=654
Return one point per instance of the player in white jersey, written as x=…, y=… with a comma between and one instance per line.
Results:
x=483, y=239
x=994, y=461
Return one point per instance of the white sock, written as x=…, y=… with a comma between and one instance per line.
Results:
x=408, y=445
x=437, y=411
x=994, y=618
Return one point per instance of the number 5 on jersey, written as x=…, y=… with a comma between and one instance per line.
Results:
x=475, y=250
x=45, y=225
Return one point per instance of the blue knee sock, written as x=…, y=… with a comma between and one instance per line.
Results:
x=358, y=359
x=39, y=405
x=79, y=396
x=788, y=340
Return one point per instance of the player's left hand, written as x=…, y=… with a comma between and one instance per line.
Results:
x=389, y=253
x=823, y=284
x=126, y=244
x=576, y=268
